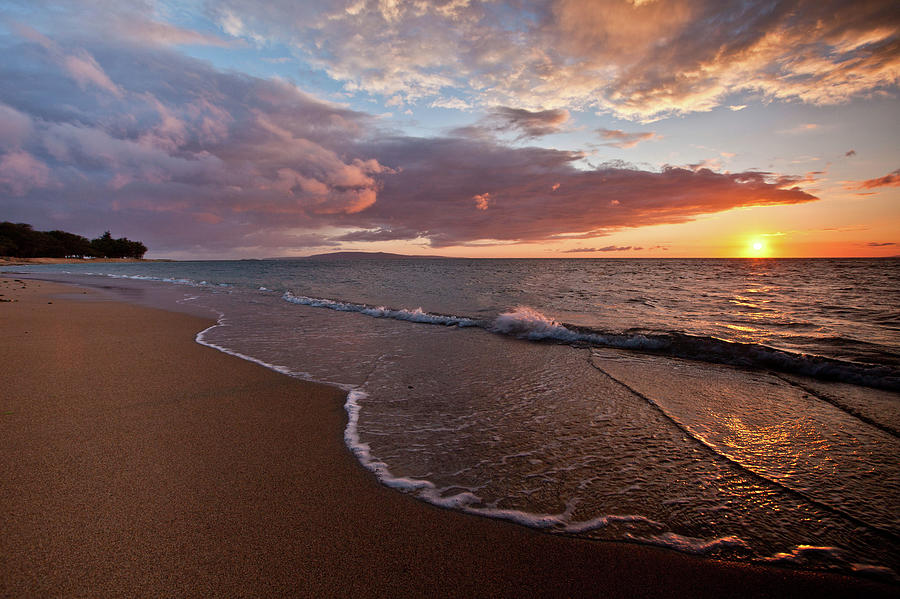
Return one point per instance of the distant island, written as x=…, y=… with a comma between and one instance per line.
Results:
x=359, y=256
x=20, y=240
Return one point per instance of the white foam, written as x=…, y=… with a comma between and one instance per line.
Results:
x=201, y=339
x=693, y=545
x=542, y=521
x=173, y=280
x=604, y=521
x=417, y=315
x=527, y=323
x=363, y=452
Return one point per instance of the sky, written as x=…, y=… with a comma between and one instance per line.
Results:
x=561, y=128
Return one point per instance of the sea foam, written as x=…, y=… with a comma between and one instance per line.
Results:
x=417, y=315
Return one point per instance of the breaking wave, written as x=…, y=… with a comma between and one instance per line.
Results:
x=524, y=322
x=417, y=315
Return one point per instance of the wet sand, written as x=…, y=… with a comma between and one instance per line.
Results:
x=135, y=462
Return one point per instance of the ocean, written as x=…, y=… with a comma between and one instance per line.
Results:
x=735, y=408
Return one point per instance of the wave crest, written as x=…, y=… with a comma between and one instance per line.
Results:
x=417, y=315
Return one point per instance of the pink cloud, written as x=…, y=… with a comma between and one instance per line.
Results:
x=15, y=127
x=20, y=172
x=84, y=69
x=79, y=64
x=155, y=32
x=482, y=201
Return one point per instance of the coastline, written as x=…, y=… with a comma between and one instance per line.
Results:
x=139, y=462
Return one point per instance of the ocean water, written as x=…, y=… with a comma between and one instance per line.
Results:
x=740, y=409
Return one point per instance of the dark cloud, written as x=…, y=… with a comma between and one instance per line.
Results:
x=529, y=123
x=876, y=244
x=850, y=153
x=538, y=194
x=524, y=124
x=166, y=149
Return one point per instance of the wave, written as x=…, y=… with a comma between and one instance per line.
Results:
x=810, y=556
x=174, y=280
x=527, y=323
x=524, y=322
x=417, y=315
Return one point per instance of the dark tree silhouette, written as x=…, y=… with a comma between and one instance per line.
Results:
x=106, y=246
x=20, y=240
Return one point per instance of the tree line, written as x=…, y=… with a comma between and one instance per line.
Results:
x=20, y=240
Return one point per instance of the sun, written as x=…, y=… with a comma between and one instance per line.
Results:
x=756, y=248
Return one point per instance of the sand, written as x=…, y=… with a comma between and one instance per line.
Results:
x=135, y=462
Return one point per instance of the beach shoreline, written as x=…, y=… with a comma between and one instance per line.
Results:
x=138, y=462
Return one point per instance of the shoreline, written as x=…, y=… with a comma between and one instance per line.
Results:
x=8, y=261
x=140, y=462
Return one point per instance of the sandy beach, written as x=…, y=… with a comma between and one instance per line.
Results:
x=136, y=462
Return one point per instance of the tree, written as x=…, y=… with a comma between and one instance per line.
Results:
x=104, y=246
x=122, y=247
x=20, y=240
x=71, y=245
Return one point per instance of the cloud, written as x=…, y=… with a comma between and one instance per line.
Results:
x=131, y=23
x=482, y=201
x=636, y=60
x=182, y=142
x=430, y=195
x=708, y=163
x=876, y=244
x=525, y=124
x=187, y=157
x=850, y=153
x=15, y=127
x=20, y=172
x=892, y=179
x=608, y=248
x=450, y=103
x=155, y=32
x=78, y=63
x=620, y=139
x=528, y=123
x=799, y=129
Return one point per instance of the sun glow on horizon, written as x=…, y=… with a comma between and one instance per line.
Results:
x=757, y=248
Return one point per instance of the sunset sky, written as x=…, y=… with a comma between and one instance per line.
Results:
x=601, y=128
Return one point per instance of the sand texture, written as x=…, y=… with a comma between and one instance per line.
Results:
x=135, y=462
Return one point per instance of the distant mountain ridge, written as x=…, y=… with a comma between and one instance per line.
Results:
x=358, y=256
